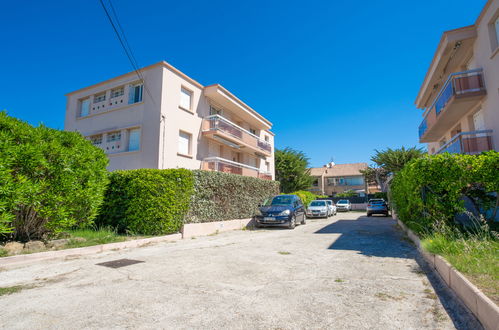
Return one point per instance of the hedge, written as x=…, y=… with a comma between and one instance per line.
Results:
x=307, y=196
x=147, y=201
x=221, y=196
x=431, y=189
x=51, y=180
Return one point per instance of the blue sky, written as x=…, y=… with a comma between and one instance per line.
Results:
x=337, y=78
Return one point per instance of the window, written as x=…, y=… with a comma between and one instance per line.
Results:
x=99, y=97
x=184, y=143
x=330, y=181
x=96, y=139
x=354, y=181
x=267, y=138
x=496, y=25
x=215, y=111
x=267, y=166
x=315, y=183
x=117, y=92
x=185, y=99
x=135, y=93
x=113, y=136
x=85, y=107
x=134, y=139
x=252, y=131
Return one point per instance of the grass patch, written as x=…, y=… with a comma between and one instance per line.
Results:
x=474, y=255
x=3, y=252
x=284, y=252
x=338, y=280
x=10, y=290
x=94, y=237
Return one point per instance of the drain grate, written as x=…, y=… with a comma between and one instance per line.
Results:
x=119, y=263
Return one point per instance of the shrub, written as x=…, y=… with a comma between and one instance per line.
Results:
x=381, y=194
x=222, y=196
x=347, y=193
x=306, y=196
x=431, y=189
x=147, y=201
x=51, y=180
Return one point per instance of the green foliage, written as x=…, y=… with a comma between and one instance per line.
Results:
x=393, y=160
x=147, y=201
x=306, y=196
x=347, y=193
x=376, y=175
x=429, y=190
x=291, y=168
x=51, y=180
x=383, y=195
x=222, y=196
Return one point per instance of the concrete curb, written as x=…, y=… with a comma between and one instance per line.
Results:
x=484, y=309
x=25, y=259
x=209, y=228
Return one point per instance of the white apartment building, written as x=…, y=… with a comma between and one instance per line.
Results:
x=169, y=120
x=460, y=93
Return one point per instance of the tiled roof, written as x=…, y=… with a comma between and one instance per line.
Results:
x=339, y=170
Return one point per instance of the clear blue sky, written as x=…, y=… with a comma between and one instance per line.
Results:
x=337, y=78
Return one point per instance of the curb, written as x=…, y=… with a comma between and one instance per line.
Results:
x=25, y=259
x=190, y=230
x=484, y=309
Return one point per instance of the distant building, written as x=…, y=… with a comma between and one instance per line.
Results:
x=459, y=93
x=336, y=178
x=172, y=121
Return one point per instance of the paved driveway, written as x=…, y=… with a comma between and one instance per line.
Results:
x=347, y=272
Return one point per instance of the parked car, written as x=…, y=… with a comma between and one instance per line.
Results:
x=343, y=205
x=377, y=206
x=332, y=207
x=281, y=210
x=318, y=208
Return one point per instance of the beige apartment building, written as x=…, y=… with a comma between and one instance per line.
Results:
x=460, y=93
x=168, y=120
x=336, y=178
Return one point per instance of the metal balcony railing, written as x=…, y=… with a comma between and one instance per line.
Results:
x=227, y=166
x=470, y=143
x=217, y=122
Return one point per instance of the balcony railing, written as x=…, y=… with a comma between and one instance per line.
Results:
x=470, y=143
x=219, y=123
x=458, y=85
x=227, y=166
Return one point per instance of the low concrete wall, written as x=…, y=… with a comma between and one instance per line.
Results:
x=485, y=310
x=207, y=228
x=359, y=206
x=25, y=259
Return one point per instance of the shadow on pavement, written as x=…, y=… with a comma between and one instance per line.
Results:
x=370, y=236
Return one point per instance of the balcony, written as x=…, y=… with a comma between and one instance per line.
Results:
x=227, y=166
x=461, y=92
x=222, y=130
x=470, y=143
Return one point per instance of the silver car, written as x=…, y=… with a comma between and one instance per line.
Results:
x=377, y=206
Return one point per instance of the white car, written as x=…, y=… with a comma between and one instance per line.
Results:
x=343, y=205
x=318, y=209
x=332, y=207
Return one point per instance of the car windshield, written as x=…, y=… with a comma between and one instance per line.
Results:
x=342, y=201
x=280, y=200
x=318, y=203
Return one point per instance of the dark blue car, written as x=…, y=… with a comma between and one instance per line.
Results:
x=281, y=210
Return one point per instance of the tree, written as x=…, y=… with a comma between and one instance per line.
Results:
x=376, y=175
x=393, y=160
x=291, y=169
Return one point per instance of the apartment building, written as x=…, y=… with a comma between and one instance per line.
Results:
x=336, y=178
x=168, y=120
x=460, y=93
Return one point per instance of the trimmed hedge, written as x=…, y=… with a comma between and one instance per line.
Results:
x=147, y=201
x=307, y=196
x=222, y=196
x=51, y=180
x=430, y=189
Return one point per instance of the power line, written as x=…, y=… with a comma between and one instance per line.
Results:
x=124, y=44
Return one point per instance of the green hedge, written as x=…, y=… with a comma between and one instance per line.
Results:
x=222, y=196
x=147, y=201
x=430, y=189
x=306, y=196
x=51, y=180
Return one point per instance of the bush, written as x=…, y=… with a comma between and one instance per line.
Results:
x=222, y=196
x=381, y=194
x=431, y=189
x=147, y=201
x=347, y=193
x=51, y=180
x=306, y=196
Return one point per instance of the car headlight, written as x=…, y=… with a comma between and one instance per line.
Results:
x=285, y=212
x=258, y=212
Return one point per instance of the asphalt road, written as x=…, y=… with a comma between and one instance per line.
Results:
x=346, y=272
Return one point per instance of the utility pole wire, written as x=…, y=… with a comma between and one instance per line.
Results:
x=124, y=43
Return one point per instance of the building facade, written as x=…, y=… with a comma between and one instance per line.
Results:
x=332, y=179
x=168, y=120
x=460, y=93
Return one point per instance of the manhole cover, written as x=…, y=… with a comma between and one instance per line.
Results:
x=119, y=263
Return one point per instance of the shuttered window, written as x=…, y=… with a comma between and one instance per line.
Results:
x=184, y=143
x=185, y=98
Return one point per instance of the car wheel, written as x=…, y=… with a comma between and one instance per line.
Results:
x=257, y=225
x=386, y=214
x=304, y=221
x=292, y=223
x=369, y=214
